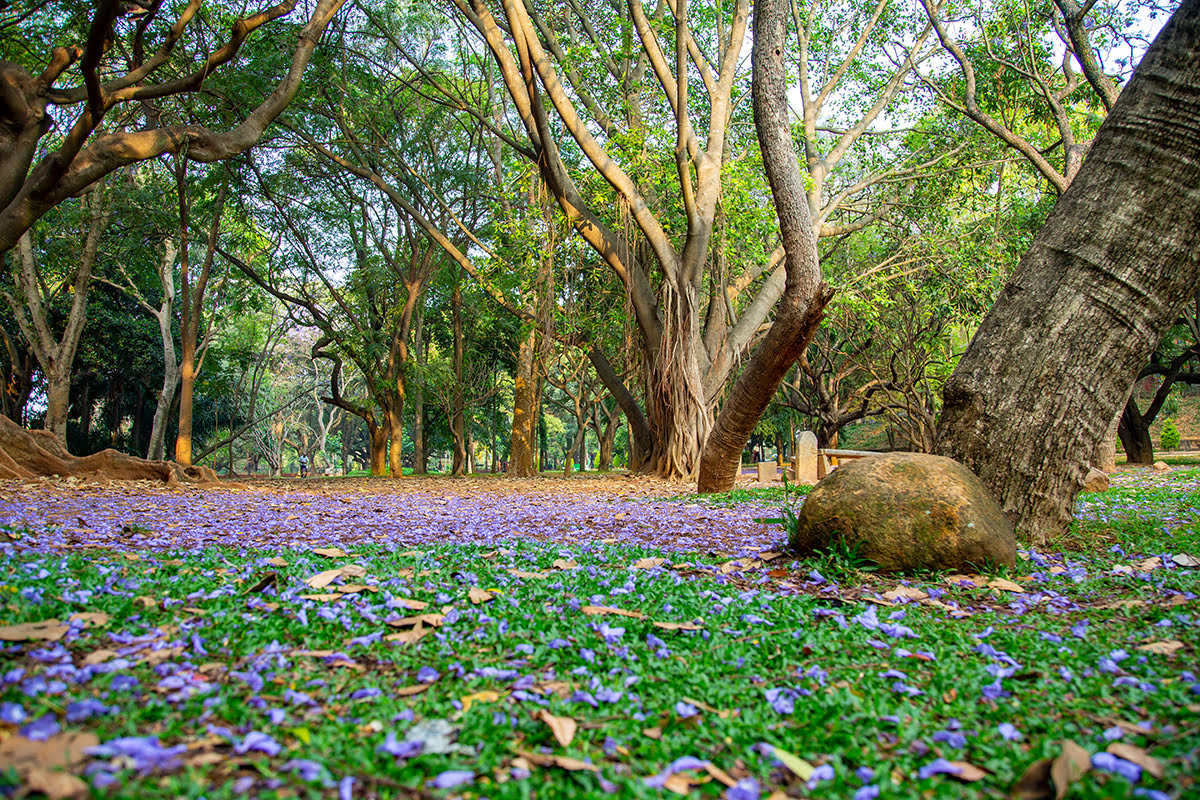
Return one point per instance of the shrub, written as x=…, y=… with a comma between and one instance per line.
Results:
x=1170, y=435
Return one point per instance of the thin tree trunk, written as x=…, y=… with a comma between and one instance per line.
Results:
x=1135, y=435
x=420, y=457
x=379, y=451
x=800, y=309
x=522, y=443
x=1108, y=274
x=458, y=412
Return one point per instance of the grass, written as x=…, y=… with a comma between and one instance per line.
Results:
x=217, y=651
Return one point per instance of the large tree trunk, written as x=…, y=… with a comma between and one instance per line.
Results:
x=379, y=450
x=805, y=296
x=458, y=412
x=523, y=443
x=393, y=418
x=1110, y=271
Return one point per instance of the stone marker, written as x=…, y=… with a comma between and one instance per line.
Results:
x=1161, y=465
x=907, y=511
x=768, y=471
x=805, y=472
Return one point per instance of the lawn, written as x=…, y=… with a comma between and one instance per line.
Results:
x=578, y=639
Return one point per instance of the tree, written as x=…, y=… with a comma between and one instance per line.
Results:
x=1119, y=257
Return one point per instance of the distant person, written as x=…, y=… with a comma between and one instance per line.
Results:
x=303, y=466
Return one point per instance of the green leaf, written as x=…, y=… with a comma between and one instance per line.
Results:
x=796, y=764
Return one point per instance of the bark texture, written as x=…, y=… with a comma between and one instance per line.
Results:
x=805, y=295
x=1118, y=258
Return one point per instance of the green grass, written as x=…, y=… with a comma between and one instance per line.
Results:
x=855, y=684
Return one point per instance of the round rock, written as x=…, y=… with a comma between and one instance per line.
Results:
x=907, y=511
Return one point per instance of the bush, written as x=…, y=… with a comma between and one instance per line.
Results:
x=1170, y=435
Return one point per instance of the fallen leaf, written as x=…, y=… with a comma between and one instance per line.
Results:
x=523, y=574
x=432, y=620
x=720, y=774
x=330, y=552
x=265, y=582
x=355, y=588
x=55, y=785
x=1069, y=767
x=654, y=733
x=48, y=630
x=680, y=783
x=1006, y=585
x=562, y=762
x=1164, y=648
x=1035, y=783
x=324, y=597
x=409, y=691
x=409, y=603
x=905, y=591
x=323, y=579
x=1185, y=560
x=678, y=626
x=769, y=555
x=799, y=767
x=648, y=563
x=37, y=763
x=563, y=728
x=477, y=595
x=1149, y=564
x=277, y=562
x=1138, y=756
x=968, y=772
x=562, y=563
x=959, y=580
x=99, y=656
x=91, y=619
x=146, y=601
x=593, y=611
x=486, y=696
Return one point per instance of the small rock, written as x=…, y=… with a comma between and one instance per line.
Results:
x=1160, y=465
x=906, y=511
x=1095, y=481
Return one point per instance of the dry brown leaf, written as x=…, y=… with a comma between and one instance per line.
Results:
x=1149, y=564
x=720, y=774
x=520, y=573
x=355, y=588
x=1006, y=585
x=277, y=562
x=324, y=597
x=55, y=785
x=563, y=728
x=431, y=620
x=678, y=626
x=769, y=555
x=477, y=595
x=654, y=733
x=648, y=563
x=1185, y=560
x=560, y=689
x=680, y=783
x=323, y=579
x=562, y=563
x=1035, y=782
x=408, y=637
x=562, y=762
x=146, y=601
x=409, y=603
x=90, y=619
x=910, y=592
x=1138, y=756
x=486, y=696
x=330, y=552
x=593, y=611
x=1164, y=648
x=1069, y=767
x=958, y=580
x=99, y=656
x=968, y=772
x=409, y=691
x=48, y=630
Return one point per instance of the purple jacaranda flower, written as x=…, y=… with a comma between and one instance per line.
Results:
x=994, y=690
x=1110, y=763
x=745, y=789
x=867, y=793
x=427, y=675
x=252, y=680
x=308, y=771
x=364, y=693
x=453, y=777
x=558, y=644
x=864, y=774
x=581, y=696
x=678, y=765
x=277, y=716
x=939, y=766
x=145, y=752
x=258, y=741
x=607, y=695
x=298, y=698
x=1079, y=629
x=1150, y=794
x=1112, y=734
x=822, y=773
x=1010, y=732
x=346, y=788
x=588, y=655
x=900, y=687
x=949, y=738
x=685, y=710
x=782, y=699
x=80, y=710
x=399, y=749
x=41, y=728
x=12, y=713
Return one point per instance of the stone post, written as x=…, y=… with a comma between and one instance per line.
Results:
x=805, y=472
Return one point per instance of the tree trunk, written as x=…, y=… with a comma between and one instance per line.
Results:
x=458, y=412
x=641, y=441
x=805, y=296
x=1108, y=274
x=420, y=457
x=1135, y=435
x=522, y=443
x=393, y=420
x=379, y=450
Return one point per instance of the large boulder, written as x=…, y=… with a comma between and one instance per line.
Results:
x=907, y=511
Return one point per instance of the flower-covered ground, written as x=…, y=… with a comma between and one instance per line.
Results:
x=578, y=638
